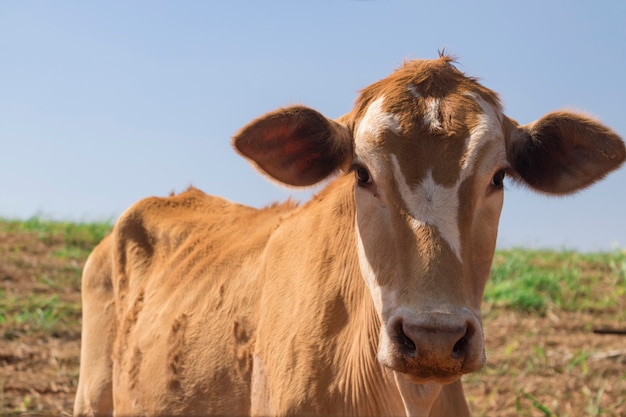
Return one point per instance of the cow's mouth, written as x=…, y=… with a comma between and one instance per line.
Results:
x=420, y=371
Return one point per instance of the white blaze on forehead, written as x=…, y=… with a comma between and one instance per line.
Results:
x=431, y=115
x=432, y=204
x=376, y=121
x=488, y=129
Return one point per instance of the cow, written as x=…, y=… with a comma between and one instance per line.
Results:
x=364, y=300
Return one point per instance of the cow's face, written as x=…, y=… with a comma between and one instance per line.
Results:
x=429, y=166
x=429, y=149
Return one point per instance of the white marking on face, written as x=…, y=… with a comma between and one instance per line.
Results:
x=488, y=129
x=374, y=122
x=432, y=204
x=431, y=116
x=384, y=297
x=367, y=270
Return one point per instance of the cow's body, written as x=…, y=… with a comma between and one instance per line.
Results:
x=363, y=301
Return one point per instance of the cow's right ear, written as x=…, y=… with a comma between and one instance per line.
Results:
x=563, y=152
x=296, y=145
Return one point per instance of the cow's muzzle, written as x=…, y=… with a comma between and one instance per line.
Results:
x=435, y=346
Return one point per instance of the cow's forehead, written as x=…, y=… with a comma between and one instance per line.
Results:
x=430, y=93
x=431, y=117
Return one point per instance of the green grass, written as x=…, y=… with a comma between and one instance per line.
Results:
x=76, y=236
x=38, y=313
x=43, y=260
x=537, y=280
x=535, y=403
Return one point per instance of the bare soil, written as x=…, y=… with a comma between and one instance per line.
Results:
x=536, y=366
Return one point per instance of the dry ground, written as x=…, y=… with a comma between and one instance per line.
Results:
x=537, y=365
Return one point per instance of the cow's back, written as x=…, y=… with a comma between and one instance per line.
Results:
x=186, y=280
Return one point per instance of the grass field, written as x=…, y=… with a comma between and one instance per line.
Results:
x=540, y=310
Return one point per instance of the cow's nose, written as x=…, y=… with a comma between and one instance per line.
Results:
x=436, y=336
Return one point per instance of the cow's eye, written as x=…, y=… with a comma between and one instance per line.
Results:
x=362, y=175
x=498, y=179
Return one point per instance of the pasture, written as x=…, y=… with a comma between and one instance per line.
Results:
x=540, y=311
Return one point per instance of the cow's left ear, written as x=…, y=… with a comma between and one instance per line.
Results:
x=563, y=152
x=296, y=145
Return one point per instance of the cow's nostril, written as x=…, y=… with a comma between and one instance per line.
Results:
x=406, y=344
x=459, y=350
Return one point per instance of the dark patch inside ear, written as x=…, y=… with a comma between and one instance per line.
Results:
x=297, y=146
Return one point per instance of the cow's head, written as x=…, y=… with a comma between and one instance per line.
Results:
x=429, y=149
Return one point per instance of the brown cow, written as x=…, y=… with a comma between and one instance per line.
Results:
x=363, y=301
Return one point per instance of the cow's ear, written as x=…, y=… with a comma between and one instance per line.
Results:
x=296, y=145
x=563, y=152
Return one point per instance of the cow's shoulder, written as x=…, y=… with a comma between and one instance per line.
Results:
x=152, y=222
x=190, y=206
x=193, y=210
x=189, y=234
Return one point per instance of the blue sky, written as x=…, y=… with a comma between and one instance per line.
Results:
x=103, y=103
